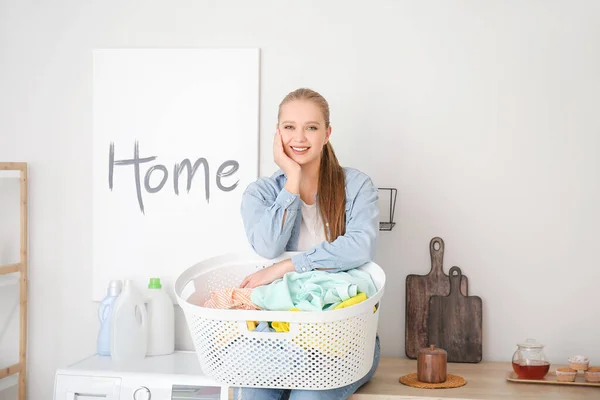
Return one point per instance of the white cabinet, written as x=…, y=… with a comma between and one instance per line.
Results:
x=77, y=387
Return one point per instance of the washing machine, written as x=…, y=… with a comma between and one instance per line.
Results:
x=176, y=376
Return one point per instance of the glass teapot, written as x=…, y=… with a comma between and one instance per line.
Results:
x=529, y=360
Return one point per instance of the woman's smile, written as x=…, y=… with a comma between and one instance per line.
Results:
x=299, y=150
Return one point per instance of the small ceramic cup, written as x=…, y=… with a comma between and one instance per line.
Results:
x=592, y=374
x=579, y=363
x=566, y=374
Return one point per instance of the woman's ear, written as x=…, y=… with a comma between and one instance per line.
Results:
x=327, y=134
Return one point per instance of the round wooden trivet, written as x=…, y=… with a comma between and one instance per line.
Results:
x=452, y=381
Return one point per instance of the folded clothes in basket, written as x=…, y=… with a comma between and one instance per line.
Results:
x=313, y=291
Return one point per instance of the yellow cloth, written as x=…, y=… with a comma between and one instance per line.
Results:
x=282, y=326
x=251, y=325
x=352, y=301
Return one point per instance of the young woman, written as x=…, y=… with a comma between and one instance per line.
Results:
x=311, y=205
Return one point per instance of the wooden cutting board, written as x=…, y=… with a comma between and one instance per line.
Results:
x=455, y=321
x=419, y=288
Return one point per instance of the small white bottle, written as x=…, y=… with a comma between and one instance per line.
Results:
x=161, y=320
x=129, y=325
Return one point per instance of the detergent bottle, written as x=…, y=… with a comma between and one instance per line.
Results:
x=129, y=325
x=104, y=315
x=161, y=320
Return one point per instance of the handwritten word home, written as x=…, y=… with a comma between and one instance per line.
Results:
x=225, y=170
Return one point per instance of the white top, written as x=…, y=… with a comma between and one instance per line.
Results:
x=312, y=231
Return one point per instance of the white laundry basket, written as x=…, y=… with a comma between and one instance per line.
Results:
x=322, y=350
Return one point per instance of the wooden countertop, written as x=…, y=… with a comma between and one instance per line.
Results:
x=485, y=380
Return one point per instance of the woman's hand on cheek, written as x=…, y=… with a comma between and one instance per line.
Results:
x=268, y=274
x=290, y=167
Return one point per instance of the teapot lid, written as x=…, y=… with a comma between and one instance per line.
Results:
x=432, y=350
x=531, y=344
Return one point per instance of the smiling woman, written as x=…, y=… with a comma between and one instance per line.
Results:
x=326, y=213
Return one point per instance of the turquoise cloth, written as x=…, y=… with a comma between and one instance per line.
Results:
x=312, y=291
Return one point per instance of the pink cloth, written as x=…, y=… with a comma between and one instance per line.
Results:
x=231, y=298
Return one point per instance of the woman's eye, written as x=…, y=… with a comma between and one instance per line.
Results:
x=288, y=127
x=312, y=128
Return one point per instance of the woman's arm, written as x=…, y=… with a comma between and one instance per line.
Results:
x=357, y=246
x=269, y=217
x=269, y=214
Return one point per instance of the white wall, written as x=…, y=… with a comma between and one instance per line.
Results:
x=11, y=393
x=482, y=114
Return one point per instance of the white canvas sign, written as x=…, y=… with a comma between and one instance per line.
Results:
x=175, y=144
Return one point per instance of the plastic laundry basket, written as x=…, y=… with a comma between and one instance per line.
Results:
x=322, y=350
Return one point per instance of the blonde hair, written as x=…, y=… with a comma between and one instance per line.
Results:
x=331, y=190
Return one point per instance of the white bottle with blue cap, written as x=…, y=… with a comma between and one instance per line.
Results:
x=104, y=315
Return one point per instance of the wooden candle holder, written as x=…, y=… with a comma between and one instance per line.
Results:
x=431, y=365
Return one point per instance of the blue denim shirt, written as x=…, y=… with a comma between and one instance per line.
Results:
x=265, y=201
